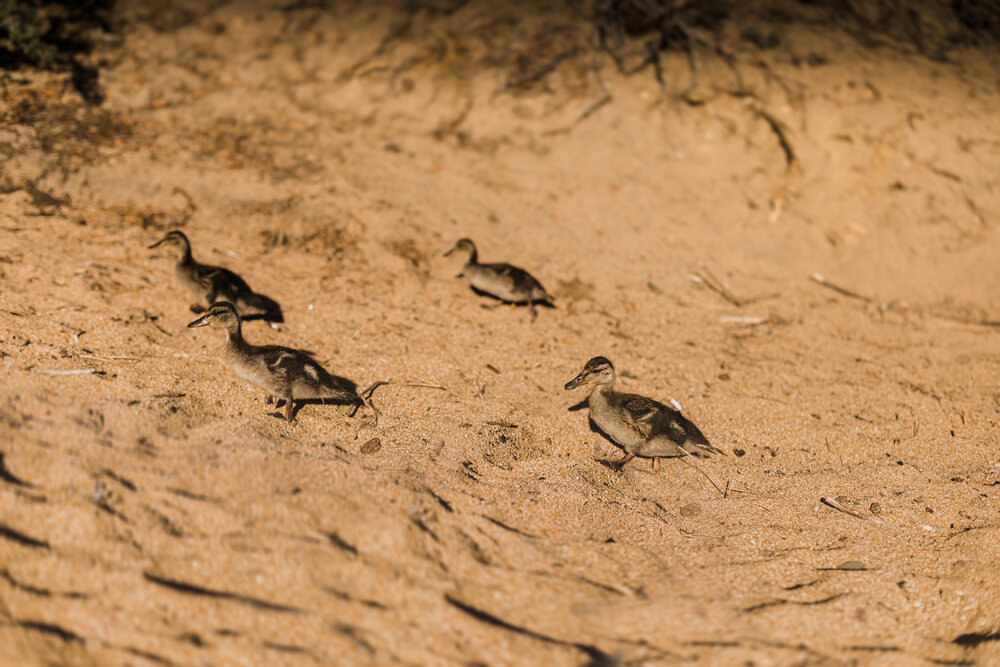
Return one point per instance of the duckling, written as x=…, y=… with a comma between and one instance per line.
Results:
x=215, y=283
x=282, y=372
x=639, y=425
x=507, y=283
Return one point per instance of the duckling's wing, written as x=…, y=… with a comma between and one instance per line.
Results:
x=298, y=369
x=671, y=424
x=221, y=280
x=649, y=418
x=517, y=280
x=287, y=364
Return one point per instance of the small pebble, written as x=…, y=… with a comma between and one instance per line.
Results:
x=875, y=508
x=852, y=565
x=371, y=446
x=691, y=509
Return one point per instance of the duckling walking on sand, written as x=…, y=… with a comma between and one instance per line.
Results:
x=507, y=283
x=282, y=372
x=639, y=425
x=215, y=283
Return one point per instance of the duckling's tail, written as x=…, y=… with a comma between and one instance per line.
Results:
x=271, y=309
x=702, y=448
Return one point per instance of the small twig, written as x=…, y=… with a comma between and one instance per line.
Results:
x=504, y=424
x=111, y=358
x=708, y=476
x=830, y=502
x=428, y=385
x=598, y=101
x=718, y=289
x=779, y=132
x=745, y=320
x=383, y=46
x=359, y=330
x=965, y=320
x=692, y=65
x=820, y=280
x=225, y=251
x=75, y=371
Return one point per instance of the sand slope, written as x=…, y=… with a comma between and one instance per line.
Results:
x=154, y=511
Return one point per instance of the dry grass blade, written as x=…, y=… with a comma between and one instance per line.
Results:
x=711, y=478
x=705, y=277
x=966, y=320
x=830, y=502
x=820, y=280
x=75, y=371
x=418, y=382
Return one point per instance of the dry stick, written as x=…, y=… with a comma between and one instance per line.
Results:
x=837, y=506
x=383, y=46
x=779, y=132
x=965, y=320
x=111, y=358
x=707, y=475
x=75, y=371
x=428, y=385
x=716, y=285
x=820, y=280
x=752, y=321
x=225, y=251
x=692, y=64
x=596, y=102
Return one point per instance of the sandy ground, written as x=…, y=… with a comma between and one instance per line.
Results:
x=152, y=511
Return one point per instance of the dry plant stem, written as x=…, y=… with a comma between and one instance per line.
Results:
x=596, y=102
x=707, y=475
x=965, y=320
x=779, y=132
x=383, y=46
x=830, y=502
x=707, y=278
x=111, y=358
x=426, y=385
x=820, y=280
x=76, y=371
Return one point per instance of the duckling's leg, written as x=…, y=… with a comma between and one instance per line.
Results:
x=531, y=307
x=288, y=408
x=269, y=400
x=617, y=465
x=656, y=464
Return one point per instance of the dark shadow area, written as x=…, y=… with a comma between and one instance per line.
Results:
x=299, y=403
x=193, y=589
x=501, y=302
x=7, y=476
x=56, y=35
x=596, y=655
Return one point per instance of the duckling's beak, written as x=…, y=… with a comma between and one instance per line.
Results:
x=576, y=382
x=200, y=322
x=157, y=244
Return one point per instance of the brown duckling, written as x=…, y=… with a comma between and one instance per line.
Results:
x=639, y=425
x=282, y=372
x=215, y=283
x=503, y=281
